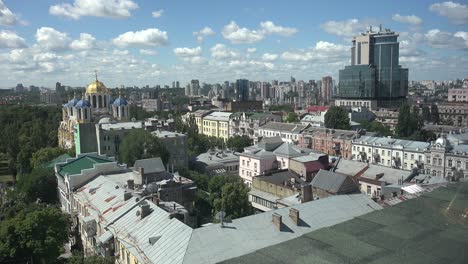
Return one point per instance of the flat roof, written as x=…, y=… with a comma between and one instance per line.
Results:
x=429, y=229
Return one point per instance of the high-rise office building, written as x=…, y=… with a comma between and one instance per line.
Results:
x=375, y=78
x=241, y=90
x=326, y=89
x=194, y=87
x=265, y=90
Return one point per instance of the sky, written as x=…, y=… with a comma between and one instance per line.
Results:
x=137, y=42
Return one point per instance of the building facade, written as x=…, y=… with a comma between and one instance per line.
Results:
x=216, y=124
x=375, y=73
x=95, y=103
x=455, y=114
x=242, y=123
x=458, y=95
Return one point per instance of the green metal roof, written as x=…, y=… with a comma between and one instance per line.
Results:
x=81, y=163
x=432, y=228
x=59, y=159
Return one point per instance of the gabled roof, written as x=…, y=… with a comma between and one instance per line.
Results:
x=152, y=165
x=157, y=238
x=334, y=182
x=81, y=163
x=290, y=150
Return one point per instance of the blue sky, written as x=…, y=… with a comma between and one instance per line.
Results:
x=132, y=42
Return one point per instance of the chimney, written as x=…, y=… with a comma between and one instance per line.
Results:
x=144, y=210
x=131, y=184
x=127, y=196
x=141, y=171
x=276, y=219
x=306, y=191
x=294, y=214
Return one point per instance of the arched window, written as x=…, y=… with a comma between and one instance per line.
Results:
x=79, y=114
x=85, y=113
x=105, y=100
x=100, y=101
x=117, y=111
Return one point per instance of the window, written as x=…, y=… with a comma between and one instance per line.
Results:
x=383, y=152
x=428, y=160
x=368, y=190
x=406, y=155
x=420, y=158
x=354, y=148
x=388, y=162
x=255, y=166
x=388, y=153
x=440, y=163
x=434, y=161
x=378, y=192
x=398, y=154
x=248, y=163
x=458, y=163
x=242, y=172
x=243, y=162
x=369, y=150
x=412, y=156
x=450, y=163
x=406, y=164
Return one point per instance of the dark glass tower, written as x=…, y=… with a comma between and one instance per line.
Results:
x=375, y=73
x=241, y=90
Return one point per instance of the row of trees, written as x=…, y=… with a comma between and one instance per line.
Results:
x=25, y=130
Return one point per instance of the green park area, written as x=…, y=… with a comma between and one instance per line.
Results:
x=5, y=174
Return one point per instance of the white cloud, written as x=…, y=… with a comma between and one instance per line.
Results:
x=251, y=50
x=188, y=52
x=202, y=33
x=455, y=12
x=9, y=39
x=43, y=57
x=440, y=39
x=270, y=28
x=7, y=18
x=148, y=52
x=323, y=51
x=238, y=35
x=51, y=39
x=348, y=28
x=157, y=13
x=269, y=57
x=120, y=52
x=86, y=41
x=410, y=19
x=97, y=8
x=221, y=51
x=147, y=37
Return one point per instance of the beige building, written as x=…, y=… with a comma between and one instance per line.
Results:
x=216, y=124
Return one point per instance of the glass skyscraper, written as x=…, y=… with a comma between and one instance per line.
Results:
x=375, y=73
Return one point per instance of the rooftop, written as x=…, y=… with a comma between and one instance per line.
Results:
x=286, y=127
x=163, y=133
x=333, y=182
x=121, y=125
x=432, y=228
x=218, y=157
x=212, y=244
x=152, y=165
x=76, y=165
x=219, y=116
x=279, y=177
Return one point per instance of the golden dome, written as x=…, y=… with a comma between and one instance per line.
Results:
x=96, y=87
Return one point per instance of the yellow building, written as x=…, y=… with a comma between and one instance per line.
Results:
x=216, y=124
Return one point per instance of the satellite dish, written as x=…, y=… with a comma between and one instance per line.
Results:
x=133, y=119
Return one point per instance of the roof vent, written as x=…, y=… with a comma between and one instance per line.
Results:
x=153, y=240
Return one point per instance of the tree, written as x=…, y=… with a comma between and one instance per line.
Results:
x=238, y=143
x=44, y=155
x=426, y=113
x=140, y=144
x=234, y=200
x=292, y=117
x=38, y=185
x=435, y=114
x=35, y=232
x=337, y=118
x=375, y=126
x=78, y=258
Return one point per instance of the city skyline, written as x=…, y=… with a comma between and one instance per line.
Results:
x=138, y=43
